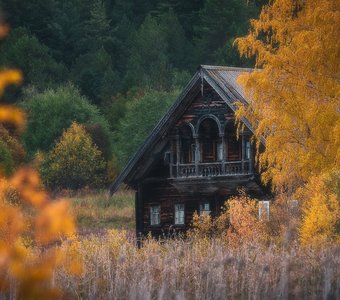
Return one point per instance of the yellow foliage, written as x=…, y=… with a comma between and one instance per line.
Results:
x=295, y=89
x=321, y=222
x=74, y=162
x=28, y=217
x=245, y=227
x=238, y=223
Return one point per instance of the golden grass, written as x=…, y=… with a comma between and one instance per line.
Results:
x=97, y=210
x=199, y=268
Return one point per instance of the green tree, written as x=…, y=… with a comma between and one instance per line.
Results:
x=66, y=30
x=51, y=112
x=178, y=46
x=22, y=50
x=148, y=65
x=35, y=15
x=97, y=30
x=140, y=118
x=220, y=22
x=74, y=162
x=93, y=73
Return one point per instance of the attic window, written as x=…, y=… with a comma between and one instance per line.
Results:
x=155, y=216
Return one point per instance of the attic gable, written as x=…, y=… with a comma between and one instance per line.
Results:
x=222, y=81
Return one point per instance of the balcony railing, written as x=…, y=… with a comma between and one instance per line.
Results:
x=213, y=169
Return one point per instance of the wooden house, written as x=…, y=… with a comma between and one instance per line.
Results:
x=193, y=159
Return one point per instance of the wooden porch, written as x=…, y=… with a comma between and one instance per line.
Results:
x=211, y=169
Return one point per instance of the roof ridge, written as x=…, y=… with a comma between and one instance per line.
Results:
x=226, y=68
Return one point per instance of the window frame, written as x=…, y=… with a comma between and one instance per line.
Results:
x=151, y=214
x=264, y=210
x=179, y=224
x=203, y=212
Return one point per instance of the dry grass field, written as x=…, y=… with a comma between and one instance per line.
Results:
x=197, y=268
x=97, y=212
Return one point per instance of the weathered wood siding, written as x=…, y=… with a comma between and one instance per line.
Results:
x=158, y=188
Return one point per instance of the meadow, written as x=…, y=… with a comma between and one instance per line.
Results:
x=113, y=267
x=96, y=211
x=209, y=263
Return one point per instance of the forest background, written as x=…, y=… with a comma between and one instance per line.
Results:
x=93, y=76
x=105, y=65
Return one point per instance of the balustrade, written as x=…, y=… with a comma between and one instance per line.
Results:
x=214, y=169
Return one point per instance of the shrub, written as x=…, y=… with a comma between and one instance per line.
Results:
x=6, y=160
x=238, y=223
x=74, y=162
x=51, y=112
x=141, y=116
x=13, y=144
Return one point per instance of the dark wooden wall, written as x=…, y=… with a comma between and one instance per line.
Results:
x=157, y=188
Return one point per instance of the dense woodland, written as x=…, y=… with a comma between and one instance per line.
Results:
x=106, y=64
x=83, y=82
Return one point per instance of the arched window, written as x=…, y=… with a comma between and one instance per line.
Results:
x=210, y=141
x=187, y=144
x=233, y=145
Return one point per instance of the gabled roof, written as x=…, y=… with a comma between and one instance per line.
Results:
x=224, y=82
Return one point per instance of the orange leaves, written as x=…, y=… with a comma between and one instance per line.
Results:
x=9, y=77
x=295, y=97
x=38, y=218
x=321, y=210
x=27, y=183
x=9, y=114
x=28, y=216
x=54, y=220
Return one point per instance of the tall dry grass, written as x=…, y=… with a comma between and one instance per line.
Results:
x=199, y=268
x=96, y=211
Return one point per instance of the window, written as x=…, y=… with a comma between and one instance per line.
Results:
x=193, y=152
x=155, y=216
x=179, y=214
x=219, y=151
x=205, y=208
x=167, y=157
x=264, y=210
x=247, y=150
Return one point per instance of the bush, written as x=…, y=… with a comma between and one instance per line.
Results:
x=75, y=162
x=6, y=160
x=13, y=144
x=51, y=112
x=140, y=118
x=238, y=224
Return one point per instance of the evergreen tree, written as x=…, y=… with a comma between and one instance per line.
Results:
x=66, y=30
x=22, y=50
x=98, y=32
x=178, y=46
x=34, y=15
x=220, y=22
x=93, y=73
x=148, y=65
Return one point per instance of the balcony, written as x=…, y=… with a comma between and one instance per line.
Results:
x=213, y=169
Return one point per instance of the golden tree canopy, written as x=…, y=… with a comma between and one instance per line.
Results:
x=295, y=88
